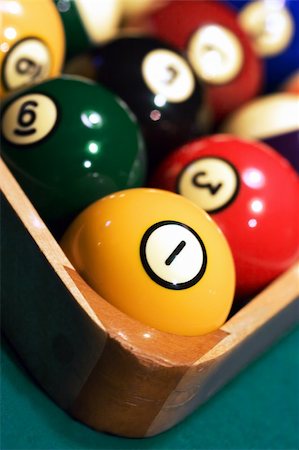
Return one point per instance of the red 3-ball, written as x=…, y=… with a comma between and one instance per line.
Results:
x=217, y=48
x=251, y=192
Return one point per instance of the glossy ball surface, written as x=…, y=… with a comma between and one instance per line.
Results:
x=32, y=43
x=61, y=143
x=88, y=22
x=273, y=27
x=252, y=194
x=273, y=119
x=217, y=48
x=158, y=85
x=169, y=267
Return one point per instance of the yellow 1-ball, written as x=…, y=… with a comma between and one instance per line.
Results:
x=157, y=257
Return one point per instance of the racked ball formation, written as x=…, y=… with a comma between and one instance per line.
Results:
x=150, y=86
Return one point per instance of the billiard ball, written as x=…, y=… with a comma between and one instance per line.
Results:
x=158, y=85
x=69, y=142
x=169, y=267
x=273, y=119
x=291, y=85
x=217, y=48
x=273, y=27
x=88, y=22
x=252, y=194
x=32, y=43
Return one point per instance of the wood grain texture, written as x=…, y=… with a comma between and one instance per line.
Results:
x=41, y=318
x=39, y=232
x=138, y=370
x=249, y=332
x=106, y=369
x=43, y=314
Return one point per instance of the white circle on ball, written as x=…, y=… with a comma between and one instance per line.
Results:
x=27, y=62
x=173, y=255
x=29, y=119
x=210, y=182
x=168, y=76
x=215, y=54
x=270, y=26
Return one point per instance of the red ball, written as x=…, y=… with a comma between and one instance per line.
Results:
x=217, y=48
x=252, y=194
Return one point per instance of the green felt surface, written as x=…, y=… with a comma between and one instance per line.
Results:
x=258, y=410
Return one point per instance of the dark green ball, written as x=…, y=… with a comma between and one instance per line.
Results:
x=70, y=142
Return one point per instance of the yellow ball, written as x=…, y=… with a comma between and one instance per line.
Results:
x=32, y=43
x=157, y=257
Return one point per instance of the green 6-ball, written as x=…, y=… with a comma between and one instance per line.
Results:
x=69, y=142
